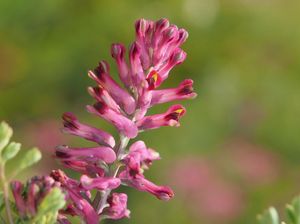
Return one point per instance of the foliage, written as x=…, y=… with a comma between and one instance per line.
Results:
x=47, y=210
x=271, y=216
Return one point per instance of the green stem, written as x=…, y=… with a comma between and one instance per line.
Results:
x=112, y=172
x=5, y=193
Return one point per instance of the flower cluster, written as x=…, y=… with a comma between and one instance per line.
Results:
x=155, y=51
x=29, y=196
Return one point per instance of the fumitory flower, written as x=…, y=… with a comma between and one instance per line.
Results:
x=155, y=51
x=29, y=196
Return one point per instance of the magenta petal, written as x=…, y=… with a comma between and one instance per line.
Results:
x=88, y=154
x=100, y=183
x=122, y=123
x=183, y=91
x=169, y=118
x=74, y=127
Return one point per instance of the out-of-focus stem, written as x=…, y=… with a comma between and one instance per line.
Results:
x=5, y=193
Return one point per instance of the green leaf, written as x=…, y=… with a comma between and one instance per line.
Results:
x=270, y=216
x=293, y=211
x=5, y=134
x=48, y=209
x=11, y=151
x=31, y=157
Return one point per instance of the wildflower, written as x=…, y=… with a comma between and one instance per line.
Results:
x=117, y=208
x=154, y=53
x=27, y=197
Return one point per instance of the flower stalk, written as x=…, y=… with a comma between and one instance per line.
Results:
x=154, y=53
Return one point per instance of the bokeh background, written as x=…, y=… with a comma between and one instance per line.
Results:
x=238, y=148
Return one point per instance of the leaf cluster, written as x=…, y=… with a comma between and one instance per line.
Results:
x=270, y=216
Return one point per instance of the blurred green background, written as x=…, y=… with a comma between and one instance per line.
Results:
x=238, y=148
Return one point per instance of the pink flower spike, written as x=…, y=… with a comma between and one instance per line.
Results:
x=17, y=189
x=169, y=118
x=74, y=127
x=122, y=97
x=123, y=124
x=183, y=91
x=117, y=207
x=94, y=154
x=118, y=53
x=99, y=183
x=137, y=72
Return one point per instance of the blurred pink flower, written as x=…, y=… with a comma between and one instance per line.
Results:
x=208, y=195
x=254, y=164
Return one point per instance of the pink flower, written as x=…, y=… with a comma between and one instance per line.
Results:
x=74, y=127
x=183, y=91
x=122, y=97
x=101, y=95
x=83, y=208
x=28, y=197
x=17, y=189
x=118, y=53
x=140, y=157
x=122, y=123
x=169, y=118
x=137, y=180
x=78, y=196
x=117, y=207
x=103, y=153
x=137, y=72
